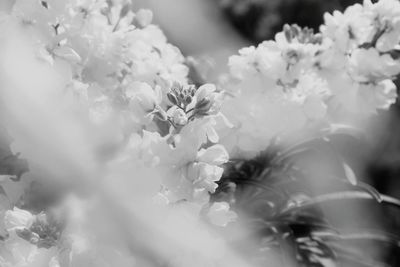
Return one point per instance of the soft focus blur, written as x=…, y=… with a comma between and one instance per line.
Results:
x=60, y=146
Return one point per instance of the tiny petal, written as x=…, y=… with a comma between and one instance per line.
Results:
x=67, y=53
x=146, y=97
x=215, y=155
x=205, y=90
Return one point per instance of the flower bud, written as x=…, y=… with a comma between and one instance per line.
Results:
x=288, y=32
x=172, y=98
x=179, y=117
x=188, y=99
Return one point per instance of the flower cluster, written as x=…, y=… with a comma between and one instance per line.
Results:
x=31, y=238
x=183, y=143
x=117, y=71
x=102, y=49
x=275, y=89
x=360, y=61
x=283, y=85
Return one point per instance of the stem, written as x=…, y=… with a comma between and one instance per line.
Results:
x=381, y=237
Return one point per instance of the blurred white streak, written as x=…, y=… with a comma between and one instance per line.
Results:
x=57, y=143
x=35, y=110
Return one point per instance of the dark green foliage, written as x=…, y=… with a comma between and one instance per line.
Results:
x=288, y=217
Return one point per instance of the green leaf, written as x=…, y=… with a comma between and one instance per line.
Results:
x=341, y=196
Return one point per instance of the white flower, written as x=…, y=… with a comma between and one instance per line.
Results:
x=377, y=96
x=207, y=100
x=204, y=91
x=367, y=65
x=18, y=219
x=142, y=94
x=178, y=116
x=220, y=215
x=240, y=65
x=386, y=15
x=348, y=29
x=205, y=175
x=215, y=155
x=269, y=61
x=386, y=94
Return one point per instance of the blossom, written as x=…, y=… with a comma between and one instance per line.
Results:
x=142, y=94
x=178, y=116
x=386, y=17
x=18, y=219
x=127, y=77
x=368, y=65
x=194, y=173
x=215, y=154
x=275, y=100
x=23, y=247
x=208, y=101
x=205, y=175
x=348, y=29
x=240, y=64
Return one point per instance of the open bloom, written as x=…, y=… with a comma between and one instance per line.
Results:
x=18, y=219
x=142, y=94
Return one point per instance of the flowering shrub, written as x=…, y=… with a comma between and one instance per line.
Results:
x=102, y=108
x=305, y=76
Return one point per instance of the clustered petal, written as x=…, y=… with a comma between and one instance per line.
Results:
x=301, y=77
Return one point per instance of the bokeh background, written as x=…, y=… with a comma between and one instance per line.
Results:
x=209, y=31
